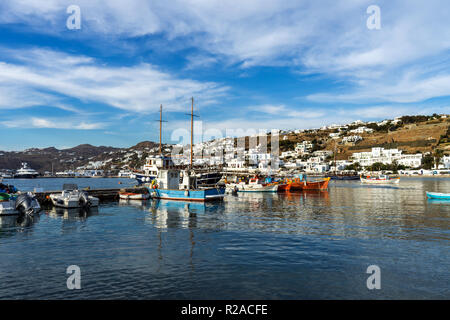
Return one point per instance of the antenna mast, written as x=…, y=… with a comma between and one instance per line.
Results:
x=160, y=129
x=192, y=130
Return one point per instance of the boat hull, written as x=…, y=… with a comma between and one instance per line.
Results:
x=203, y=179
x=133, y=196
x=437, y=195
x=241, y=187
x=298, y=185
x=70, y=203
x=200, y=195
x=284, y=187
x=380, y=181
x=25, y=176
x=344, y=177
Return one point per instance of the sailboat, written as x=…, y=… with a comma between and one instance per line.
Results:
x=167, y=184
x=153, y=164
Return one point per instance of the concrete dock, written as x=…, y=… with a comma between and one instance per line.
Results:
x=102, y=194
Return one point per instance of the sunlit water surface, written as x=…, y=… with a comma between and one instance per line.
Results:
x=254, y=246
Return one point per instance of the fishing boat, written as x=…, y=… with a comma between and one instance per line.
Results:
x=167, y=186
x=300, y=183
x=284, y=187
x=18, y=204
x=152, y=165
x=255, y=184
x=437, y=195
x=133, y=196
x=381, y=179
x=71, y=197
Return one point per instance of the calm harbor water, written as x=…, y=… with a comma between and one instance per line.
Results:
x=314, y=245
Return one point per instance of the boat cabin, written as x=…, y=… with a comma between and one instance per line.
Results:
x=153, y=164
x=176, y=179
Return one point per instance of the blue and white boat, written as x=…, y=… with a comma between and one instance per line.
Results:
x=437, y=195
x=167, y=186
x=151, y=168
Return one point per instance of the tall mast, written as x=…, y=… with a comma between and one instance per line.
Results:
x=160, y=126
x=192, y=129
x=160, y=129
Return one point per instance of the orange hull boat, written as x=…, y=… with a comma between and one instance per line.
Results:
x=298, y=185
x=284, y=187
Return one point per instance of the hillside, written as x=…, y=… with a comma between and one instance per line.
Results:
x=412, y=135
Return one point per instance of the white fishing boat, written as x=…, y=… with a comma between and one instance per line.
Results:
x=71, y=197
x=18, y=204
x=381, y=179
x=255, y=184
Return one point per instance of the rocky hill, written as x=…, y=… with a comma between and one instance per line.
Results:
x=50, y=158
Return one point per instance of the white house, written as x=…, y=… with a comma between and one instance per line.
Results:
x=303, y=147
x=445, y=160
x=351, y=139
x=361, y=130
x=387, y=156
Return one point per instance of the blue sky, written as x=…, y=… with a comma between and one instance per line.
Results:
x=249, y=64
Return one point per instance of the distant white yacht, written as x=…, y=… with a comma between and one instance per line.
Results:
x=26, y=172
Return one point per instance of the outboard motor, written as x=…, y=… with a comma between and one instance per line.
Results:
x=24, y=205
x=84, y=199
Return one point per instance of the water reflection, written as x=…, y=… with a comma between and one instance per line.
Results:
x=262, y=246
x=174, y=214
x=439, y=201
x=72, y=214
x=11, y=224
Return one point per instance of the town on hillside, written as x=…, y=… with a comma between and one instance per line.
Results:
x=404, y=145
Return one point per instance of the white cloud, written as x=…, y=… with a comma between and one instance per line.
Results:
x=282, y=110
x=36, y=122
x=327, y=37
x=141, y=88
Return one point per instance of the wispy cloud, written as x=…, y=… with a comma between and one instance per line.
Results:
x=284, y=111
x=141, y=88
x=46, y=123
x=327, y=37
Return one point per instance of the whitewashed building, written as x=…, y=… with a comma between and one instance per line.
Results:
x=362, y=129
x=387, y=156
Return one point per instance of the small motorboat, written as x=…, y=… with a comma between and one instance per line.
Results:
x=18, y=204
x=133, y=196
x=255, y=184
x=437, y=195
x=71, y=197
x=381, y=179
